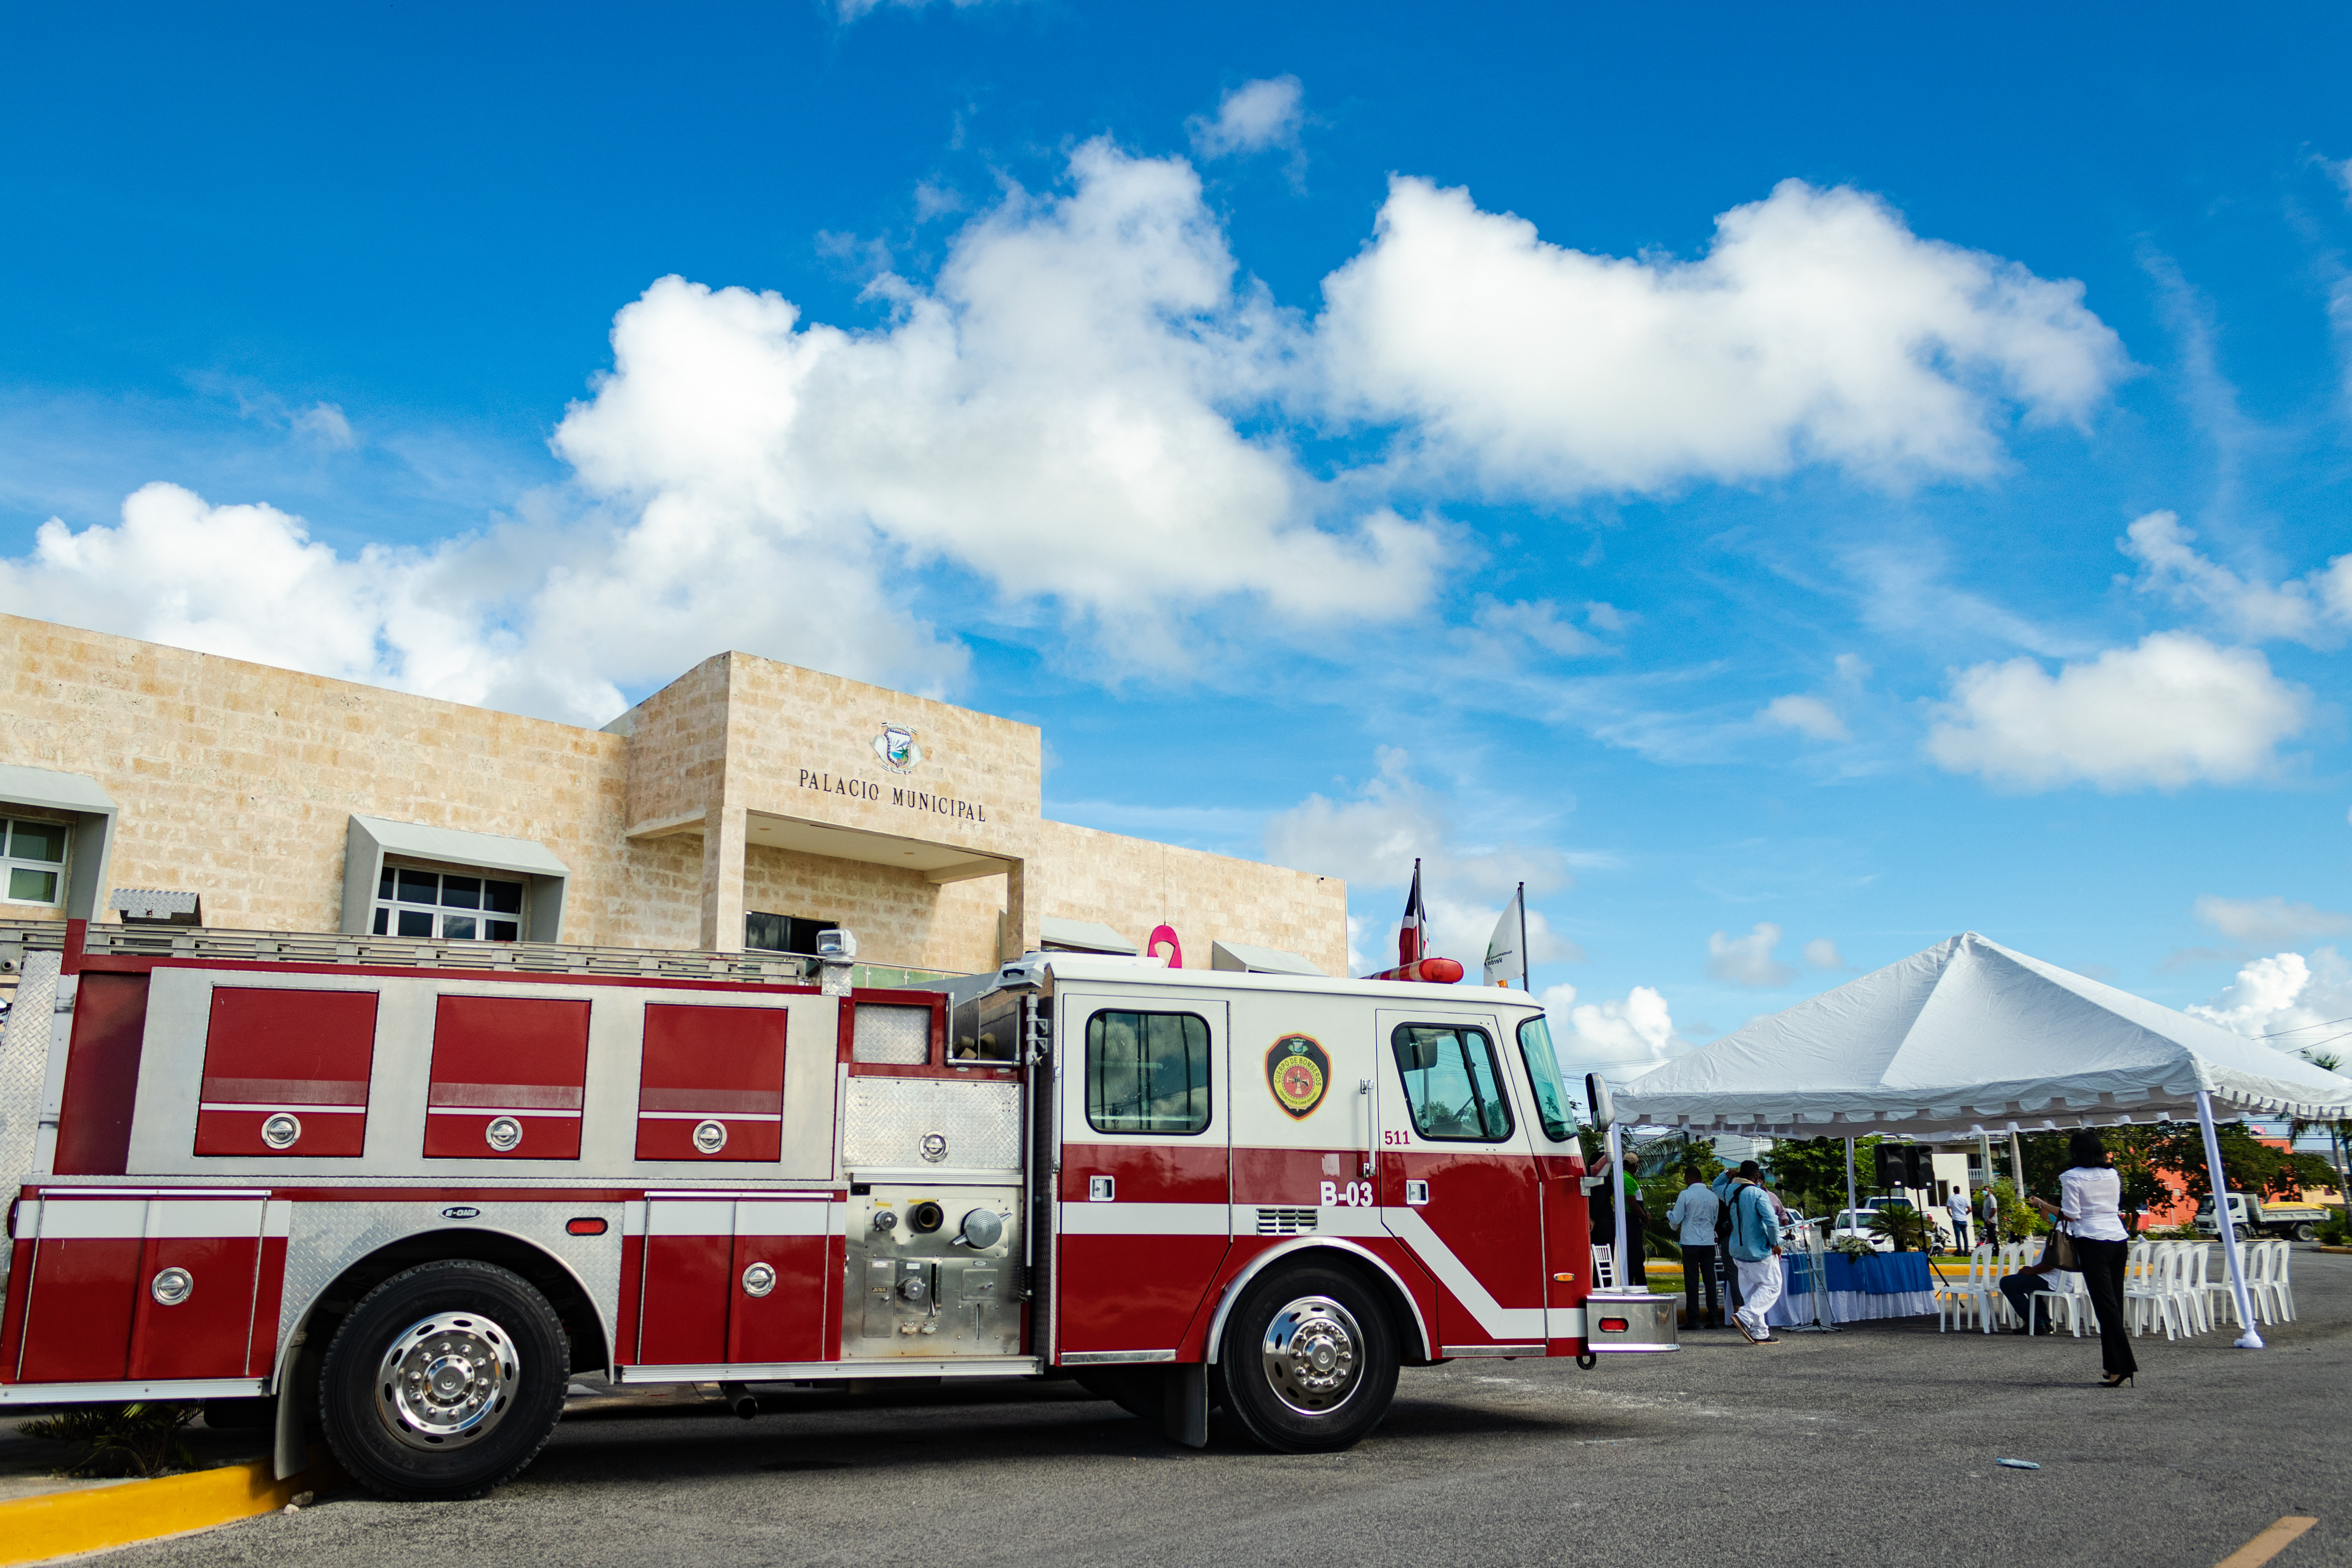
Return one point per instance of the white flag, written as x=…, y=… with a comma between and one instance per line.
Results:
x=1506, y=950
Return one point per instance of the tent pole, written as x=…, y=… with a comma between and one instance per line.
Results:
x=2017, y=1164
x=1849, y=1178
x=2250, y=1340
x=1617, y=1206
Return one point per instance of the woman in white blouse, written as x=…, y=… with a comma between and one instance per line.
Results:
x=2089, y=1209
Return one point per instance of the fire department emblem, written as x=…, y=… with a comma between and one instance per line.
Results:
x=1298, y=1071
x=897, y=748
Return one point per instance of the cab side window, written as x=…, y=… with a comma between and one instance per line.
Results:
x=1147, y=1072
x=1452, y=1081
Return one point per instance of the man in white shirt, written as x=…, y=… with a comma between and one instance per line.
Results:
x=1958, y=1209
x=1693, y=1217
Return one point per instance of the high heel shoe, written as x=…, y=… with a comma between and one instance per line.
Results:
x=2115, y=1379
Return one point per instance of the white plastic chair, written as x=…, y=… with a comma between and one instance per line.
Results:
x=2197, y=1294
x=1979, y=1293
x=2070, y=1301
x=2158, y=1296
x=2266, y=1280
x=1604, y=1269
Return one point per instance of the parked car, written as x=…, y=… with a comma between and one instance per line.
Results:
x=1855, y=1224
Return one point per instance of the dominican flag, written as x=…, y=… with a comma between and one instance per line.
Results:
x=1412, y=937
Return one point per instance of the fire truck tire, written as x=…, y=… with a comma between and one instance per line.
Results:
x=443, y=1381
x=1309, y=1363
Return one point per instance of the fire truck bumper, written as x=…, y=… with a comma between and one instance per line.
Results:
x=1630, y=1321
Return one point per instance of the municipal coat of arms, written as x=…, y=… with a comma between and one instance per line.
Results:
x=1298, y=1071
x=897, y=748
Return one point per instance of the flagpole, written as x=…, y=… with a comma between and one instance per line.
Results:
x=1525, y=984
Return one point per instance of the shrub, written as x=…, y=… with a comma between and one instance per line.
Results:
x=120, y=1440
x=2336, y=1232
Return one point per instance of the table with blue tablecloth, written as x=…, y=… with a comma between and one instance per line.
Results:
x=1884, y=1285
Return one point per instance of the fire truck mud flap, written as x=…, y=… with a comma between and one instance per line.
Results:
x=1629, y=1322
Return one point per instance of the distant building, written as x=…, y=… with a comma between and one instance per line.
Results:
x=747, y=803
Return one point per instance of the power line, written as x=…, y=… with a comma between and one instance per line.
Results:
x=2274, y=1034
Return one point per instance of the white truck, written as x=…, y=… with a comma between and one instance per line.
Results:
x=2250, y=1217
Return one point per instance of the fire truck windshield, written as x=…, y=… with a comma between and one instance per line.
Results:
x=1543, y=1071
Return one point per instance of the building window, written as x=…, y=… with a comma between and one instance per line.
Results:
x=34, y=861
x=783, y=934
x=448, y=906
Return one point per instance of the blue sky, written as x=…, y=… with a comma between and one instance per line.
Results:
x=1790, y=486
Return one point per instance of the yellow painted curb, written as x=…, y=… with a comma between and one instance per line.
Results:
x=58, y=1524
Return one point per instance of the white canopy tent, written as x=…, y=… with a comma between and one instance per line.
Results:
x=1971, y=1037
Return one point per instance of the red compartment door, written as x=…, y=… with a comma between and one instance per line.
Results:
x=285, y=1073
x=509, y=1076
x=205, y=1329
x=689, y=1255
x=782, y=1314
x=84, y=1287
x=712, y=1083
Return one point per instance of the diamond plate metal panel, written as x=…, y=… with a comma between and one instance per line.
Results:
x=886, y=1120
x=901, y=1036
x=325, y=1238
x=25, y=1066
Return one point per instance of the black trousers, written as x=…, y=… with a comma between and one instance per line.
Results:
x=2103, y=1276
x=1698, y=1267
x=2017, y=1288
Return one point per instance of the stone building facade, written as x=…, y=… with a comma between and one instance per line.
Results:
x=746, y=799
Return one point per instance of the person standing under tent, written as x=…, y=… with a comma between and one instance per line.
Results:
x=1755, y=1248
x=1693, y=1217
x=2090, y=1206
x=1724, y=1181
x=1958, y=1209
x=1991, y=1213
x=1637, y=1230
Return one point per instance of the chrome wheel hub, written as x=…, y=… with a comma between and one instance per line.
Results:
x=1313, y=1356
x=446, y=1380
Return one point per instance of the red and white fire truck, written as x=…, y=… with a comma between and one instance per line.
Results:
x=411, y=1189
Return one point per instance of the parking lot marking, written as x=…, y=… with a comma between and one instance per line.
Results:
x=2269, y=1543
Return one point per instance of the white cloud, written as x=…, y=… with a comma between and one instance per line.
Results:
x=2291, y=1001
x=2171, y=711
x=851, y=10
x=2312, y=609
x=1747, y=960
x=1807, y=716
x=178, y=570
x=1372, y=840
x=324, y=423
x=2269, y=920
x=1823, y=953
x=1055, y=414
x=1251, y=118
x=1817, y=328
x=1619, y=1038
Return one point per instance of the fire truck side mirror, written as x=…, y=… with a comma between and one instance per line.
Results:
x=1596, y=1091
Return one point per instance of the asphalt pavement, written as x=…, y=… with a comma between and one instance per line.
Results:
x=1871, y=1446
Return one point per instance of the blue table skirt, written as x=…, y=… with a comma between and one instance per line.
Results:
x=1885, y=1285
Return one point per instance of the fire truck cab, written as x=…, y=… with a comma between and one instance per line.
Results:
x=411, y=1192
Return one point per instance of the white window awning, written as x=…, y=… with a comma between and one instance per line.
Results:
x=1083, y=936
x=1241, y=955
x=372, y=839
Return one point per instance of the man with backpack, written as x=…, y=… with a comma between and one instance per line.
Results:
x=1755, y=1243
